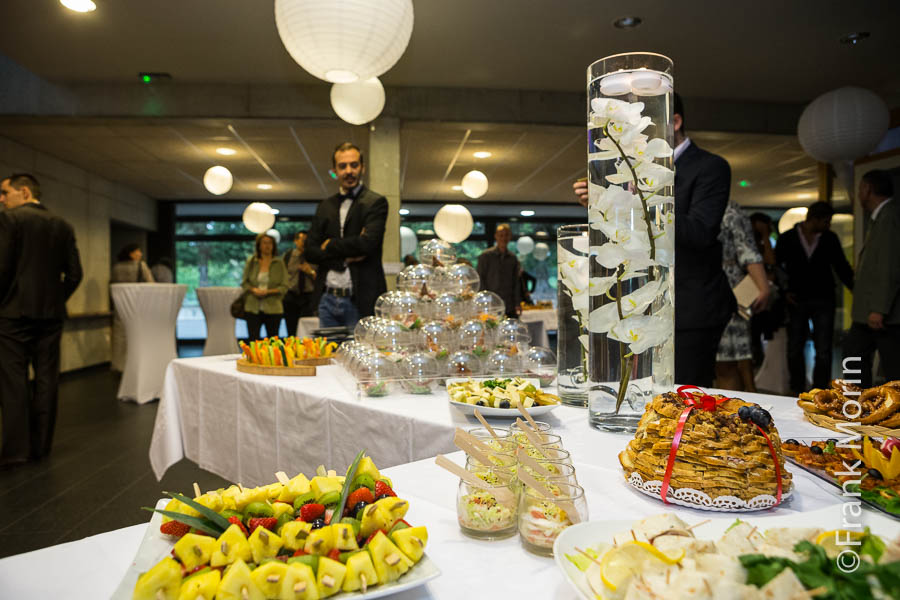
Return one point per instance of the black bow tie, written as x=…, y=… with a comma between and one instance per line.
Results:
x=346, y=197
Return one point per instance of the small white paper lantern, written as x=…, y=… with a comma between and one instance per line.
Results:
x=359, y=102
x=408, y=242
x=258, y=217
x=843, y=124
x=343, y=43
x=273, y=233
x=474, y=184
x=791, y=217
x=541, y=251
x=525, y=245
x=217, y=180
x=453, y=223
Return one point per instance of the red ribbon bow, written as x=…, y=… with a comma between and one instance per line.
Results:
x=709, y=404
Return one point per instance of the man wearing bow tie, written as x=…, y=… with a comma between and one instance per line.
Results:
x=345, y=240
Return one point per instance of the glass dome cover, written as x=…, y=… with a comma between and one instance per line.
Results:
x=463, y=364
x=419, y=371
x=437, y=252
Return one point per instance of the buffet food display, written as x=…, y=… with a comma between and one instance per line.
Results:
x=874, y=411
x=288, y=356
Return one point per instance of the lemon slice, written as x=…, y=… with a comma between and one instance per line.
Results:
x=828, y=540
x=620, y=564
x=669, y=559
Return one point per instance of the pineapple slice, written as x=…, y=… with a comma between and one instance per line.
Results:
x=360, y=573
x=375, y=516
x=367, y=467
x=279, y=508
x=324, y=485
x=320, y=541
x=202, y=585
x=389, y=562
x=411, y=542
x=259, y=494
x=230, y=547
x=230, y=498
x=344, y=538
x=264, y=544
x=211, y=500
x=162, y=582
x=237, y=584
x=396, y=507
x=330, y=576
x=273, y=490
x=294, y=533
x=194, y=550
x=297, y=486
x=299, y=583
x=269, y=578
x=179, y=507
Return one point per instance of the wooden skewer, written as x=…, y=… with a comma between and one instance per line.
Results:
x=708, y=589
x=503, y=494
x=486, y=425
x=752, y=531
x=531, y=436
x=197, y=492
x=534, y=484
x=282, y=477
x=531, y=422
x=471, y=449
x=591, y=558
x=699, y=524
x=817, y=591
x=461, y=434
x=534, y=465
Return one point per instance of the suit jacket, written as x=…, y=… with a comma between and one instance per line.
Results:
x=368, y=211
x=878, y=272
x=703, y=297
x=810, y=277
x=39, y=263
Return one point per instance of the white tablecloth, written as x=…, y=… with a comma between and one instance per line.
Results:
x=216, y=305
x=306, y=326
x=539, y=322
x=148, y=312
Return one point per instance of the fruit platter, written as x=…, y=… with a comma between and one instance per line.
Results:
x=875, y=466
x=777, y=558
x=297, y=538
x=500, y=397
x=290, y=356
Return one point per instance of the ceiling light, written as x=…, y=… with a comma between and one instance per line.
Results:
x=627, y=22
x=226, y=151
x=527, y=213
x=457, y=188
x=481, y=154
x=264, y=186
x=81, y=6
x=218, y=180
x=474, y=184
x=275, y=211
x=404, y=211
x=854, y=38
x=804, y=196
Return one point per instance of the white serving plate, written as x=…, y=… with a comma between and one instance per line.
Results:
x=487, y=411
x=591, y=533
x=155, y=546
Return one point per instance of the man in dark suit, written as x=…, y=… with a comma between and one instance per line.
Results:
x=39, y=270
x=345, y=240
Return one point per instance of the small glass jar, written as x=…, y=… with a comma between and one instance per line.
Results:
x=492, y=513
x=499, y=462
x=541, y=520
x=560, y=472
x=483, y=434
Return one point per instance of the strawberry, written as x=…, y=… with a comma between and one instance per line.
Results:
x=335, y=554
x=300, y=552
x=237, y=521
x=383, y=489
x=311, y=512
x=363, y=494
x=174, y=528
x=267, y=522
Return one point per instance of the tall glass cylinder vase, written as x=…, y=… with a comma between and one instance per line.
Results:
x=632, y=236
x=572, y=314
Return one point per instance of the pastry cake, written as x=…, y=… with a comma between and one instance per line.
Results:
x=721, y=452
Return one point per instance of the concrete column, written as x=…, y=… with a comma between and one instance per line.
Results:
x=384, y=177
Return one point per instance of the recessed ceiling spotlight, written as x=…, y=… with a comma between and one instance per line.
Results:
x=226, y=151
x=627, y=22
x=481, y=154
x=404, y=211
x=527, y=213
x=264, y=186
x=804, y=196
x=456, y=188
x=81, y=6
x=854, y=38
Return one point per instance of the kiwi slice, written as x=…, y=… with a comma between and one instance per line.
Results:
x=363, y=480
x=329, y=498
x=343, y=556
x=311, y=560
x=398, y=526
x=228, y=513
x=354, y=523
x=302, y=499
x=258, y=509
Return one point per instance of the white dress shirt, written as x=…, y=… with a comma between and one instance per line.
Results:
x=342, y=279
x=680, y=148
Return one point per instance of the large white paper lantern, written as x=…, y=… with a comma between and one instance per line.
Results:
x=453, y=223
x=217, y=180
x=474, y=184
x=345, y=42
x=408, y=241
x=258, y=217
x=541, y=251
x=843, y=124
x=525, y=245
x=791, y=217
x=359, y=102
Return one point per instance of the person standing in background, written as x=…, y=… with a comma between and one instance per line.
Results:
x=876, y=298
x=500, y=271
x=129, y=268
x=300, y=299
x=39, y=270
x=807, y=254
x=162, y=271
x=346, y=240
x=763, y=324
x=265, y=283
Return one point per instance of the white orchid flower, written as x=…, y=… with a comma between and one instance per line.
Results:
x=658, y=148
x=614, y=196
x=653, y=177
x=612, y=255
x=641, y=332
x=605, y=318
x=604, y=110
x=622, y=174
x=584, y=341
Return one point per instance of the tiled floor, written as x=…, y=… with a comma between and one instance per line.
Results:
x=98, y=475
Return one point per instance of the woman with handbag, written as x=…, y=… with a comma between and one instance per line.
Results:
x=264, y=283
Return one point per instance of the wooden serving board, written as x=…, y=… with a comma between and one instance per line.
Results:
x=832, y=424
x=301, y=370
x=316, y=362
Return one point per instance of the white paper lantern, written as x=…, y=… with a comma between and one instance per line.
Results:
x=843, y=124
x=453, y=223
x=258, y=217
x=359, y=102
x=217, y=180
x=525, y=245
x=408, y=242
x=273, y=233
x=791, y=217
x=343, y=43
x=541, y=251
x=474, y=184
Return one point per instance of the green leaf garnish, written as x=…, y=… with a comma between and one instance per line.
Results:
x=348, y=481
x=207, y=512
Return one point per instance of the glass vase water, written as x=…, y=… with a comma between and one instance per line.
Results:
x=572, y=314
